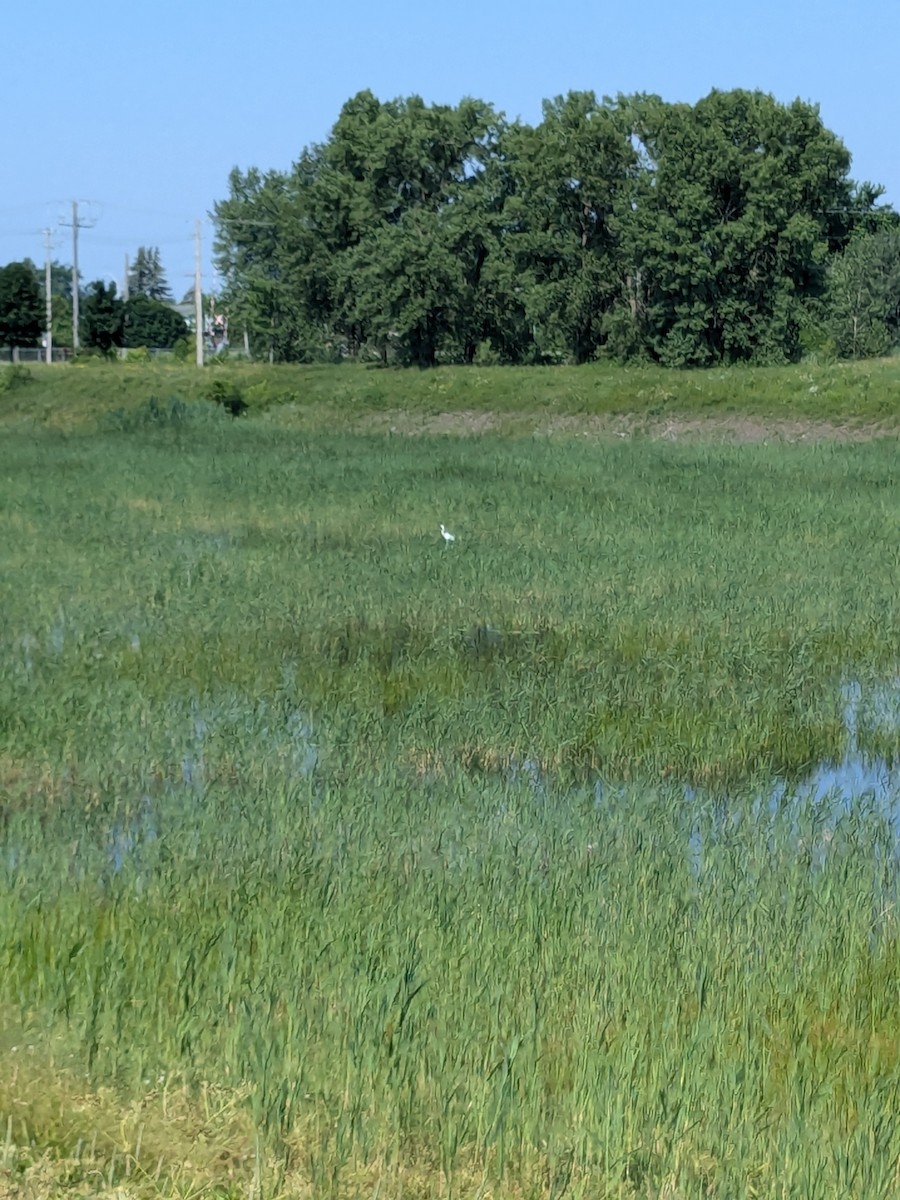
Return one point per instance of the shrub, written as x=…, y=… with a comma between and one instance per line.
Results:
x=14, y=377
x=229, y=395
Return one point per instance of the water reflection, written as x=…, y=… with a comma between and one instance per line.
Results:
x=277, y=731
x=833, y=788
x=830, y=793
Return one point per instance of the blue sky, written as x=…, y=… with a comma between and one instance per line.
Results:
x=141, y=110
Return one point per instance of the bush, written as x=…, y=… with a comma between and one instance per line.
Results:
x=14, y=377
x=159, y=414
x=229, y=395
x=486, y=355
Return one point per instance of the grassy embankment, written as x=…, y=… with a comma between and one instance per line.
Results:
x=518, y=399
x=306, y=883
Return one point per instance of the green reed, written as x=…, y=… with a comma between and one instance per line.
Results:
x=301, y=803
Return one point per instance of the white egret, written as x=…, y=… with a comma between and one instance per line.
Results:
x=447, y=535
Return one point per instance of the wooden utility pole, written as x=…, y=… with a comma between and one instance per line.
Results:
x=75, y=313
x=76, y=225
x=48, y=299
x=198, y=295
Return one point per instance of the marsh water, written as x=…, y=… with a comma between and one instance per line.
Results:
x=810, y=810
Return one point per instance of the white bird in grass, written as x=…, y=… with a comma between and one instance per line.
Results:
x=447, y=535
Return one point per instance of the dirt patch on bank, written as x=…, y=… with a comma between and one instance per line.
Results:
x=731, y=428
x=458, y=424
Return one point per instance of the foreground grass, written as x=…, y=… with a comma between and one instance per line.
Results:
x=338, y=862
x=462, y=987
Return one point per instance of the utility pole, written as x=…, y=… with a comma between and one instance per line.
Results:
x=75, y=289
x=198, y=295
x=76, y=225
x=48, y=299
x=75, y=314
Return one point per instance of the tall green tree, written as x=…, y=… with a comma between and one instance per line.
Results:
x=21, y=306
x=62, y=321
x=147, y=277
x=266, y=252
x=303, y=255
x=102, y=315
x=864, y=295
x=729, y=227
x=570, y=174
x=399, y=202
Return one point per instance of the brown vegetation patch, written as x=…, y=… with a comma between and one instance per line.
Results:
x=729, y=428
x=466, y=422
x=144, y=504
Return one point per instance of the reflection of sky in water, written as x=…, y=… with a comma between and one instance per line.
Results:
x=125, y=840
x=833, y=790
x=830, y=792
x=288, y=740
x=834, y=786
x=808, y=813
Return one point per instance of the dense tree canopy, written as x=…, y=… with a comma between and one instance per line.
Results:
x=570, y=179
x=634, y=228
x=102, y=317
x=60, y=278
x=21, y=306
x=863, y=312
x=724, y=231
x=148, y=322
x=730, y=224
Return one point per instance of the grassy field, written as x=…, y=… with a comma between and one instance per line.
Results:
x=340, y=862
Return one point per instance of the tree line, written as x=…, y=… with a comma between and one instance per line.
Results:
x=106, y=320
x=725, y=231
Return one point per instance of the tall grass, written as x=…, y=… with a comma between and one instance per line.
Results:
x=384, y=846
